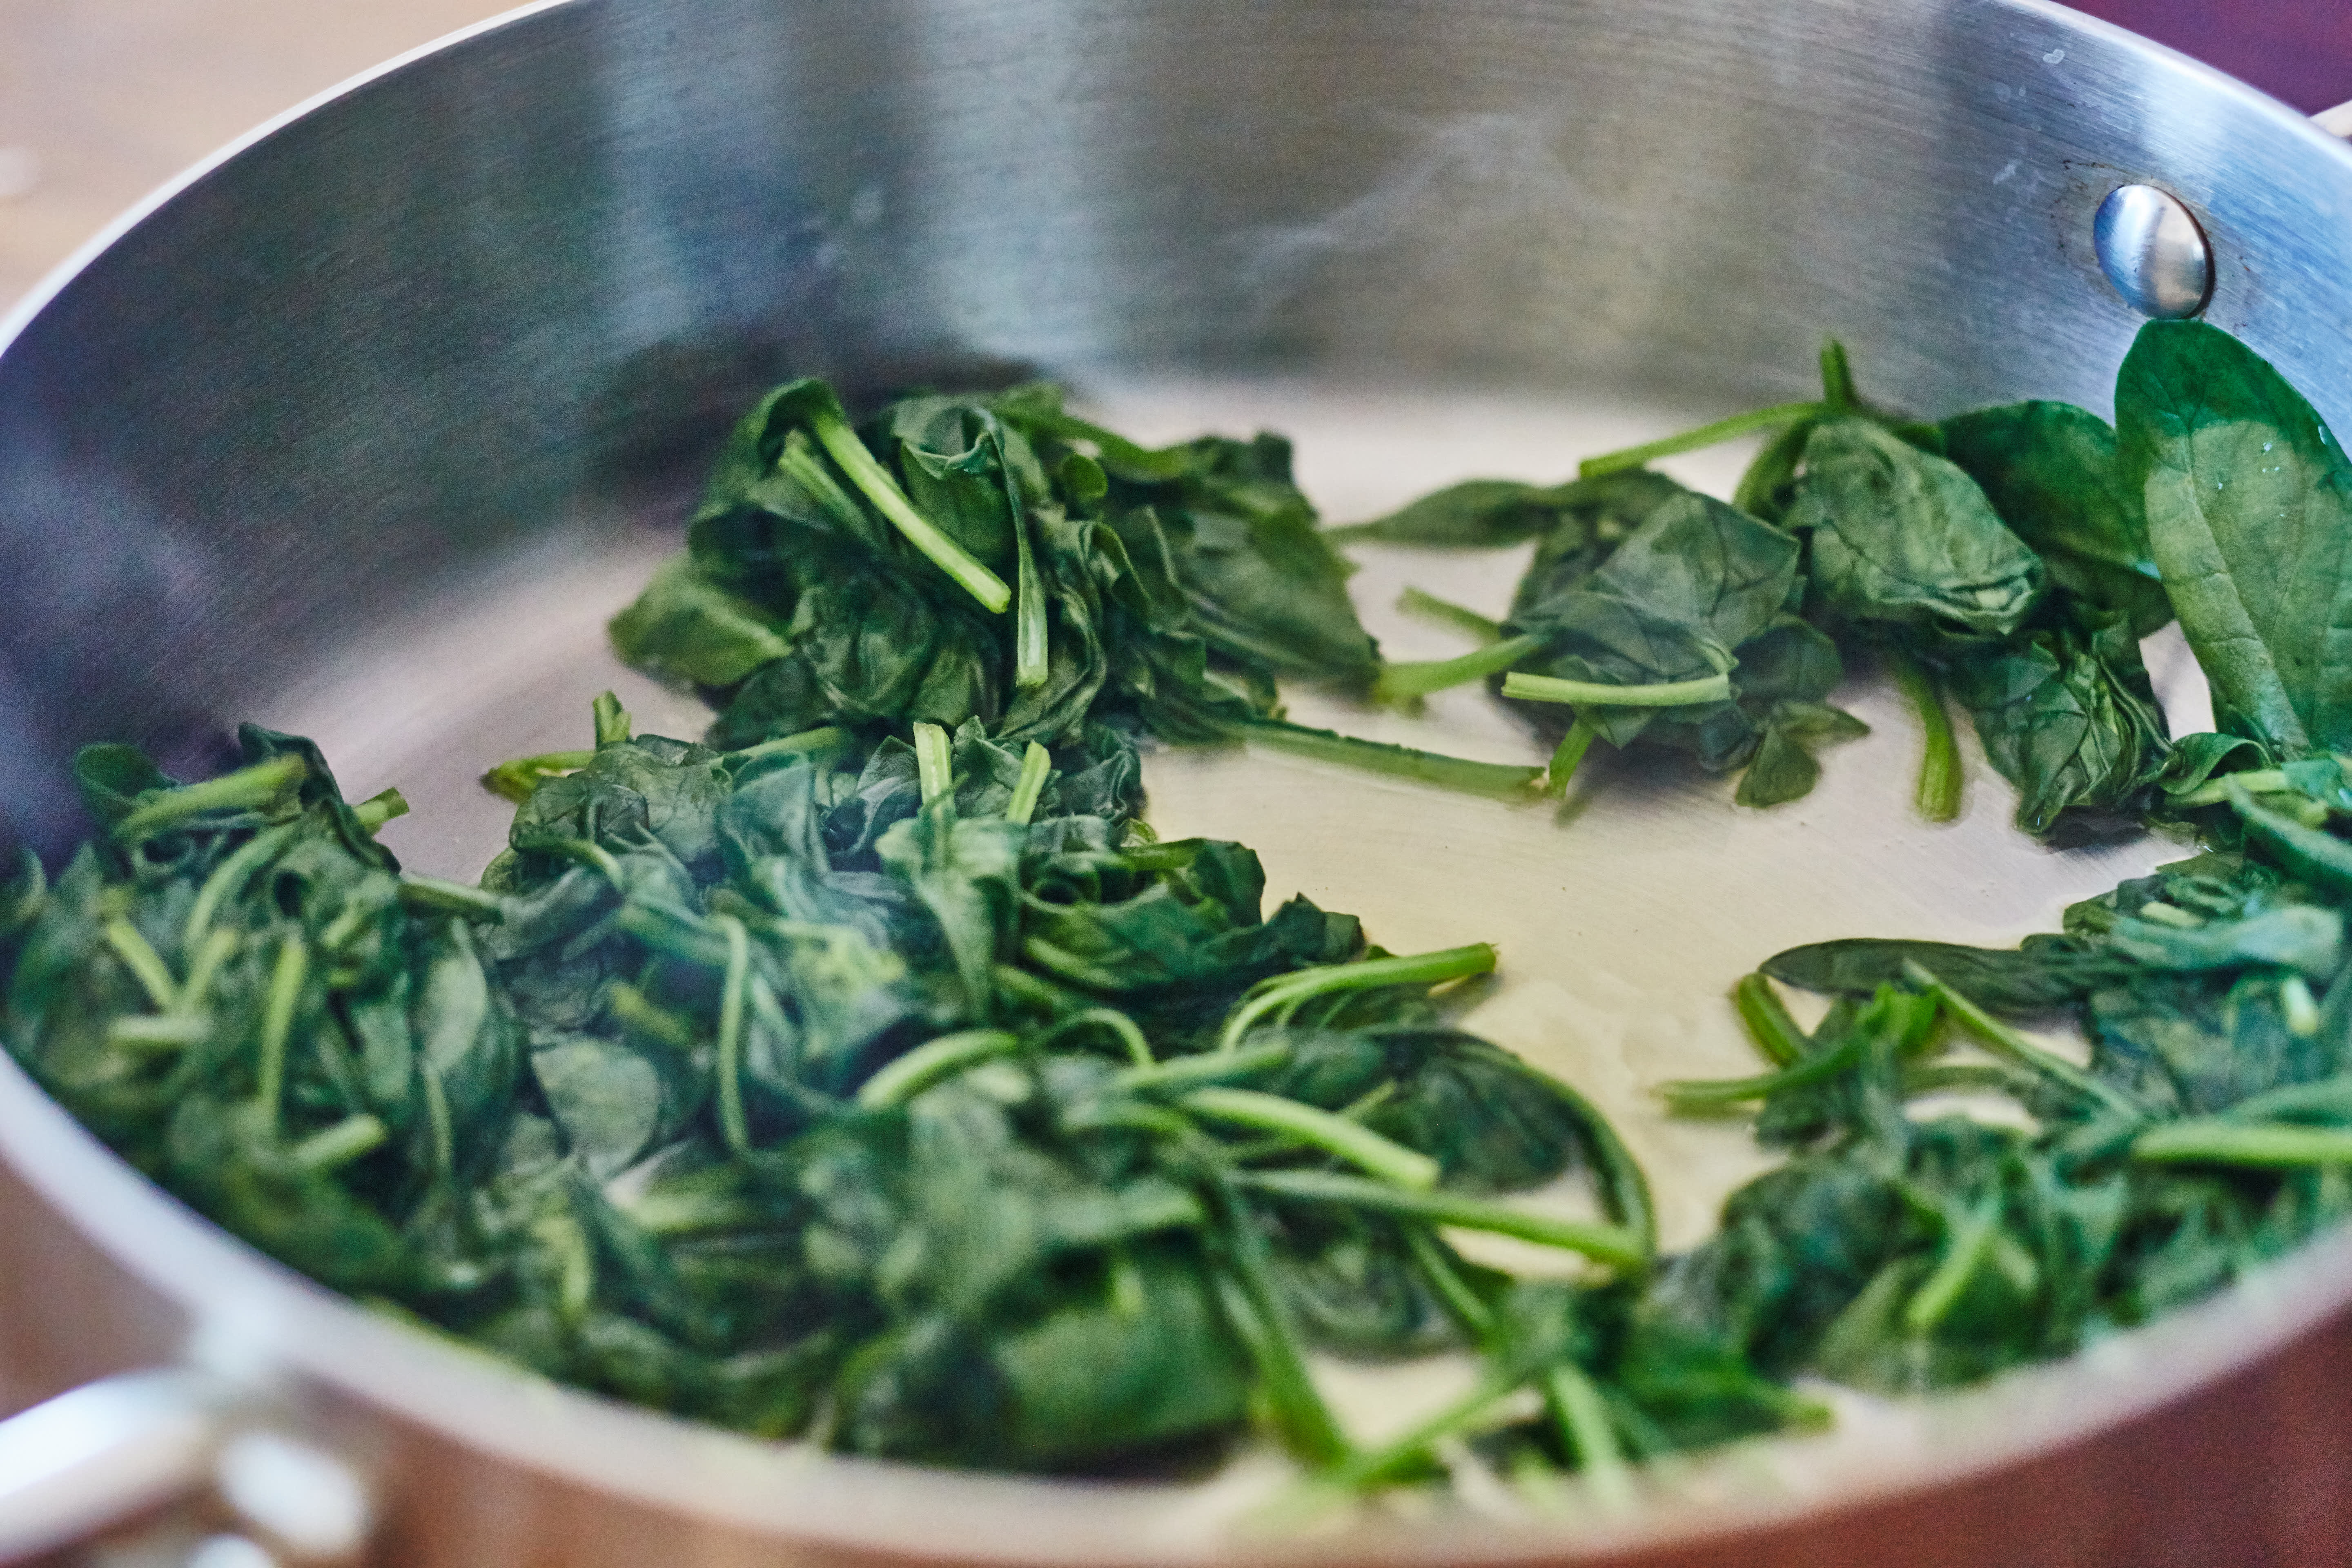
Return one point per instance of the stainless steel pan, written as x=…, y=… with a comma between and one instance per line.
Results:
x=367, y=423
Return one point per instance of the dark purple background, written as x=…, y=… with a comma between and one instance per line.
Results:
x=2300, y=50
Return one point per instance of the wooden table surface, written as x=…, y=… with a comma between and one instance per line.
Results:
x=101, y=101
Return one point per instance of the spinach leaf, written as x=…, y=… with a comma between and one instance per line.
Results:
x=1898, y=537
x=2043, y=975
x=2239, y=475
x=2053, y=472
x=2066, y=713
x=1697, y=588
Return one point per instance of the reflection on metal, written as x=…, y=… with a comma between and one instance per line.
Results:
x=102, y=1453
x=90, y=1459
x=307, y=1500
x=2152, y=252
x=230, y=1551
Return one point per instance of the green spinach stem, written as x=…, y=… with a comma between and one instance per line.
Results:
x=1401, y=682
x=1283, y=995
x=286, y=978
x=1184, y=1073
x=614, y=726
x=516, y=779
x=2311, y=853
x=1775, y=1033
x=1463, y=1304
x=1720, y=431
x=145, y=964
x=1705, y=1094
x=733, y=1125
x=934, y=762
x=1256, y=1309
x=1373, y=1465
x=1030, y=669
x=2325, y=1100
x=1970, y=1245
x=337, y=1146
x=1602, y=694
x=1614, y=1244
x=438, y=1122
x=633, y=1010
x=1445, y=613
x=582, y=852
x=2214, y=791
x=1580, y=1415
x=1838, y=394
x=1121, y=1028
x=1494, y=780
x=2006, y=1041
x=379, y=808
x=215, y=949
x=1036, y=768
x=1940, y=774
x=268, y=786
x=1359, y=1145
x=840, y=443
x=158, y=1034
x=2227, y=1141
x=431, y=893
x=1624, y=1190
x=933, y=1061
x=800, y=461
x=1568, y=755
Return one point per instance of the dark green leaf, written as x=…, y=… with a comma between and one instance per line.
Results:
x=2240, y=476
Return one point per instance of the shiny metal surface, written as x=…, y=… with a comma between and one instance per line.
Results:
x=103, y=1453
x=2151, y=250
x=446, y=302
x=502, y=298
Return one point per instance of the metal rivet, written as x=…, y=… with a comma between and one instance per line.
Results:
x=2152, y=252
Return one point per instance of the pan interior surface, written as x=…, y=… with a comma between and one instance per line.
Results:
x=1624, y=915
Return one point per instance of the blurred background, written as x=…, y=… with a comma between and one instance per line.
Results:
x=100, y=101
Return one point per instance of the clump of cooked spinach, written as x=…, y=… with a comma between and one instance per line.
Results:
x=2000, y=556
x=993, y=558
x=907, y=1095
x=2211, y=1128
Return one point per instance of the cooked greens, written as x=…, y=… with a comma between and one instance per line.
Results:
x=908, y=1096
x=2212, y=1128
x=2002, y=558
x=840, y=576
x=870, y=1072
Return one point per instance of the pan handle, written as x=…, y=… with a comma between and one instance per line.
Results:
x=111, y=1451
x=2336, y=121
x=106, y=1452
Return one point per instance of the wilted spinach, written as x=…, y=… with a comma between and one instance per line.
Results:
x=858, y=1077
x=904, y=1094
x=2212, y=1125
x=2002, y=558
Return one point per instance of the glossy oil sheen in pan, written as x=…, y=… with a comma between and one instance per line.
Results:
x=473, y=321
